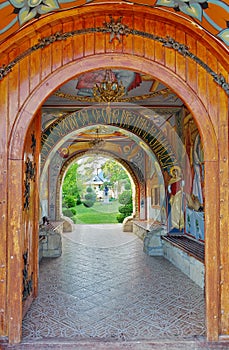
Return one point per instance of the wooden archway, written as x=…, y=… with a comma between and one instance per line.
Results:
x=32, y=80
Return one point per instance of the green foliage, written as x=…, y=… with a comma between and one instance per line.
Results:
x=69, y=201
x=125, y=197
x=78, y=200
x=127, y=186
x=126, y=209
x=88, y=203
x=90, y=198
x=114, y=171
x=71, y=188
x=73, y=210
x=68, y=212
x=89, y=190
x=120, y=217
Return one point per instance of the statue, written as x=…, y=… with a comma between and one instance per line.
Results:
x=176, y=198
x=196, y=186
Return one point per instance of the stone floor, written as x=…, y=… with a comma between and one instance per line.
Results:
x=105, y=293
x=104, y=287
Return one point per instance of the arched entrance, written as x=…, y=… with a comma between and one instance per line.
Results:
x=127, y=167
x=123, y=118
x=167, y=65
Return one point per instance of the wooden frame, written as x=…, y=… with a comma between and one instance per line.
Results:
x=22, y=95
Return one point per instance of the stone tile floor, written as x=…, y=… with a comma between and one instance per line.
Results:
x=104, y=287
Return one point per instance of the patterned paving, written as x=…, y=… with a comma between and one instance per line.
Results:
x=104, y=287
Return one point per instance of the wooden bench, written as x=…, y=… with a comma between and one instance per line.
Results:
x=188, y=245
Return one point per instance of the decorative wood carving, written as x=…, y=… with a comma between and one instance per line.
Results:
x=116, y=29
x=27, y=280
x=30, y=172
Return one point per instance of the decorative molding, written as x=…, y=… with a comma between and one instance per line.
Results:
x=164, y=92
x=30, y=170
x=30, y=173
x=116, y=30
x=27, y=281
x=33, y=143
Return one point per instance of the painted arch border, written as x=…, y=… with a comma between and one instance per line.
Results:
x=125, y=117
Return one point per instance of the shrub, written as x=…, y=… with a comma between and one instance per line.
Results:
x=127, y=186
x=120, y=218
x=73, y=210
x=90, y=198
x=126, y=209
x=88, y=203
x=67, y=212
x=125, y=197
x=89, y=190
x=69, y=201
x=78, y=200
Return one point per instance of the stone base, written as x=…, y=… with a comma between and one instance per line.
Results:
x=68, y=224
x=128, y=224
x=155, y=246
x=153, y=243
x=52, y=245
x=192, y=267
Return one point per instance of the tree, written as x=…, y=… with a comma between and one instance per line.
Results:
x=88, y=166
x=114, y=171
x=71, y=187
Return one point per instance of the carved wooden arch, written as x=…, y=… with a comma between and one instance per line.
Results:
x=123, y=162
x=164, y=66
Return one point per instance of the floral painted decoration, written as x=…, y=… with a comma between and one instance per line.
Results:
x=29, y=9
x=212, y=15
x=204, y=11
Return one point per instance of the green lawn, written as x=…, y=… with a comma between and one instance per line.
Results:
x=100, y=213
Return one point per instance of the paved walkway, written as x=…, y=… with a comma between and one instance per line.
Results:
x=104, y=287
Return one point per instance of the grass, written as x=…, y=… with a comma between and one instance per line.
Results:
x=100, y=213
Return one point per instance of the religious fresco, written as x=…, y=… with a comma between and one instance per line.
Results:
x=115, y=85
x=210, y=14
x=87, y=81
x=185, y=186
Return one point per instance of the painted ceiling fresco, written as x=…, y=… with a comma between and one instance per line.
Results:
x=213, y=15
x=138, y=88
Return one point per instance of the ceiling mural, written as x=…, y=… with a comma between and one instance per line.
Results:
x=113, y=85
x=213, y=15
